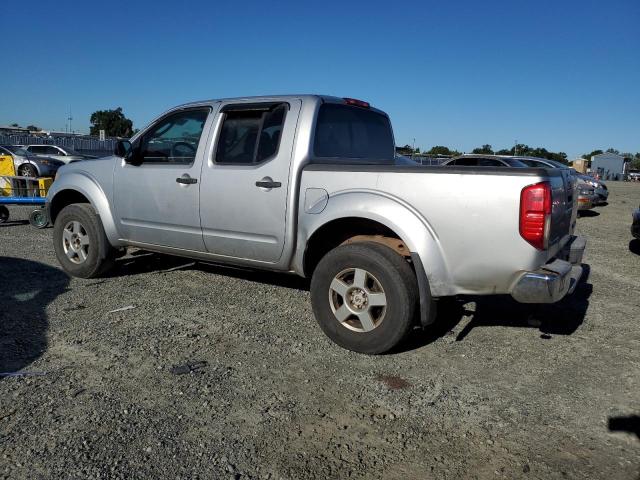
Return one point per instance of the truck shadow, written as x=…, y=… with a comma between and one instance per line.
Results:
x=141, y=262
x=630, y=424
x=27, y=288
x=561, y=318
x=588, y=213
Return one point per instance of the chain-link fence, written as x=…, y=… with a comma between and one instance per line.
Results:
x=86, y=145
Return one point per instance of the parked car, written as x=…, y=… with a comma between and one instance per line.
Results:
x=308, y=185
x=474, y=160
x=586, y=194
x=64, y=154
x=29, y=165
x=635, y=225
x=406, y=161
x=600, y=188
x=586, y=197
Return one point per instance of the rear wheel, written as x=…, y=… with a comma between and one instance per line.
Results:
x=81, y=246
x=364, y=297
x=27, y=170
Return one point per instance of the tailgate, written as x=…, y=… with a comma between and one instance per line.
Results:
x=563, y=208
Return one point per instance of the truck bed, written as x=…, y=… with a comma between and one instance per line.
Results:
x=470, y=217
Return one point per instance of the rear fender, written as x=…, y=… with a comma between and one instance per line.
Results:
x=412, y=228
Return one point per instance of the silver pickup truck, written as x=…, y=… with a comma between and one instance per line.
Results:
x=307, y=184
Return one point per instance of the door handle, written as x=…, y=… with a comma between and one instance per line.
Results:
x=268, y=184
x=186, y=180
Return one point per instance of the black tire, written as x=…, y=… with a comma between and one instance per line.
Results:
x=398, y=283
x=38, y=218
x=27, y=170
x=100, y=255
x=4, y=214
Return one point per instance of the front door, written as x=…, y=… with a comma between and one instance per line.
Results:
x=245, y=181
x=156, y=194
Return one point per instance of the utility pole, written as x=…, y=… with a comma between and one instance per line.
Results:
x=515, y=148
x=70, y=118
x=413, y=148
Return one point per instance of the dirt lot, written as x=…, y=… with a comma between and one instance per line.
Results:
x=495, y=391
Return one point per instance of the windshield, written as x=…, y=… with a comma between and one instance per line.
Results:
x=557, y=164
x=70, y=151
x=17, y=150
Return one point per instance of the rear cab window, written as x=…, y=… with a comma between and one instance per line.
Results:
x=348, y=134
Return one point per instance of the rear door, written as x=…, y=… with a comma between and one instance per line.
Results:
x=245, y=180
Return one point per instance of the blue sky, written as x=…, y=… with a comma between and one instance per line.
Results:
x=560, y=74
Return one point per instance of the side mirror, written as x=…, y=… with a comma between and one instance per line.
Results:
x=123, y=147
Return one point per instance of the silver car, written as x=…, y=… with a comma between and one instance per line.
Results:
x=601, y=192
x=64, y=154
x=29, y=165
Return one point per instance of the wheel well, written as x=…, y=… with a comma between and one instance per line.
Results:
x=62, y=199
x=349, y=230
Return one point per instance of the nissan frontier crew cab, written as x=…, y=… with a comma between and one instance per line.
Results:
x=307, y=184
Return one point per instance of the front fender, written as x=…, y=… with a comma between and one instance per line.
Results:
x=395, y=214
x=84, y=183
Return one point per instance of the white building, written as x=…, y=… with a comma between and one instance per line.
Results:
x=610, y=166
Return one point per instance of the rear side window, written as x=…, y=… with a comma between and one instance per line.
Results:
x=476, y=162
x=250, y=136
x=349, y=132
x=465, y=162
x=38, y=149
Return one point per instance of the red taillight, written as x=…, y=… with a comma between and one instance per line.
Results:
x=535, y=214
x=357, y=103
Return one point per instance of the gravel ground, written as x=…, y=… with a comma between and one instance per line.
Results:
x=496, y=390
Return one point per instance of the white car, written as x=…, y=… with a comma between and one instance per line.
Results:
x=64, y=154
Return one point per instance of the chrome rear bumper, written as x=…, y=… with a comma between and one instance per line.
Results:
x=554, y=280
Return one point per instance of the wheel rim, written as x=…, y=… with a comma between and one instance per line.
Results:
x=75, y=242
x=357, y=300
x=27, y=172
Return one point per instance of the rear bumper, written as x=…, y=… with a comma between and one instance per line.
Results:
x=554, y=280
x=585, y=202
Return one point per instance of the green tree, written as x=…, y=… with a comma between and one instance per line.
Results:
x=15, y=125
x=484, y=149
x=113, y=122
x=33, y=128
x=613, y=150
x=587, y=156
x=441, y=150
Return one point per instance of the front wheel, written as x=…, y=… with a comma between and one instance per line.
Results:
x=81, y=246
x=364, y=297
